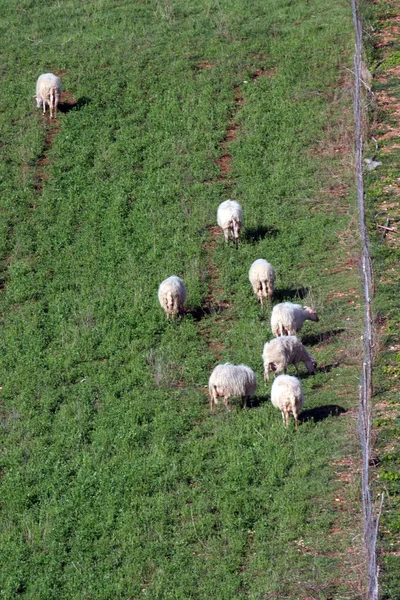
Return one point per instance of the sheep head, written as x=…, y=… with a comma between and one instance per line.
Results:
x=270, y=367
x=311, y=366
x=39, y=100
x=311, y=314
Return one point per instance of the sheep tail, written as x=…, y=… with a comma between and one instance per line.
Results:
x=52, y=101
x=265, y=288
x=170, y=301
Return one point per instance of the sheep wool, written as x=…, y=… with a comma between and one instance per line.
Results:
x=172, y=296
x=48, y=91
x=228, y=381
x=230, y=219
x=287, y=395
x=288, y=318
x=262, y=278
x=283, y=351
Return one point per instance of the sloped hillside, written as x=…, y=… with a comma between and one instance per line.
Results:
x=116, y=482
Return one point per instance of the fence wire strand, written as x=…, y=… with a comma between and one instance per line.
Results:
x=371, y=520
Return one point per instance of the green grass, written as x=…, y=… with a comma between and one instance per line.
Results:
x=116, y=482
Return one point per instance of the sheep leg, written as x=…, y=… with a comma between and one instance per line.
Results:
x=296, y=418
x=287, y=415
x=213, y=400
x=283, y=416
x=226, y=235
x=244, y=399
x=226, y=402
x=266, y=375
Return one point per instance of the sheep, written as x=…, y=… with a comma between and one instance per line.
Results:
x=288, y=318
x=287, y=395
x=231, y=380
x=48, y=90
x=230, y=219
x=262, y=278
x=283, y=351
x=172, y=295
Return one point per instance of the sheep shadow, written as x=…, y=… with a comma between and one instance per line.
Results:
x=321, y=338
x=327, y=368
x=281, y=295
x=257, y=401
x=255, y=234
x=200, y=312
x=320, y=413
x=69, y=103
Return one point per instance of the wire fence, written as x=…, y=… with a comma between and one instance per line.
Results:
x=371, y=518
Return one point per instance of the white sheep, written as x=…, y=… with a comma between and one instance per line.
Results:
x=287, y=395
x=231, y=380
x=48, y=91
x=172, y=295
x=262, y=278
x=230, y=219
x=288, y=318
x=283, y=351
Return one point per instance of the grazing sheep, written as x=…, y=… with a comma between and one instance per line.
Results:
x=288, y=318
x=262, y=278
x=230, y=219
x=287, y=395
x=48, y=90
x=283, y=351
x=231, y=380
x=172, y=295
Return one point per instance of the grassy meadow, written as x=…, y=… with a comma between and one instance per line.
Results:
x=116, y=482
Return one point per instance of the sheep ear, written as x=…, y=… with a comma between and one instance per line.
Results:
x=34, y=96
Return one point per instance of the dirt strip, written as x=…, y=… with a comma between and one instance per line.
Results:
x=211, y=304
x=52, y=128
